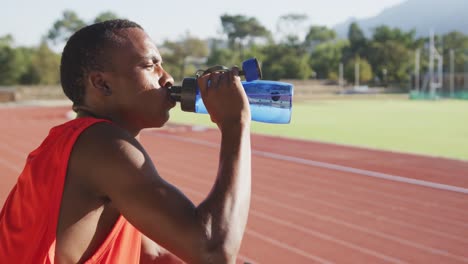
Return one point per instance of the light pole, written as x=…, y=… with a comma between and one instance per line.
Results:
x=384, y=73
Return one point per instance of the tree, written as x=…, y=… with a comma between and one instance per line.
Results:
x=188, y=51
x=391, y=61
x=283, y=62
x=9, y=64
x=240, y=29
x=104, y=16
x=43, y=67
x=221, y=55
x=355, y=35
x=317, y=35
x=458, y=42
x=357, y=43
x=63, y=28
x=389, y=53
x=46, y=63
x=326, y=58
x=383, y=34
x=27, y=76
x=6, y=40
x=14, y=62
x=365, y=70
x=290, y=26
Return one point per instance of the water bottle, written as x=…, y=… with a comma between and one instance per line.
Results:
x=270, y=101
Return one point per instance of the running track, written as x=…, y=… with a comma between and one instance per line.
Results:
x=311, y=202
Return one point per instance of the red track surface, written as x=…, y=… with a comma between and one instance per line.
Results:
x=312, y=202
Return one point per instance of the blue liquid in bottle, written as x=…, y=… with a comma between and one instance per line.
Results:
x=270, y=101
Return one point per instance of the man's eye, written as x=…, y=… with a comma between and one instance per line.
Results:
x=149, y=66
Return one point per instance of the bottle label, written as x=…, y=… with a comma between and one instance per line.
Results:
x=269, y=93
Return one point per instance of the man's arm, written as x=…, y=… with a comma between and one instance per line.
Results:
x=152, y=253
x=117, y=167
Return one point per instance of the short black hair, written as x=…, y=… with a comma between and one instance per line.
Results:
x=85, y=52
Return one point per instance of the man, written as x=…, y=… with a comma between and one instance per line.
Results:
x=90, y=193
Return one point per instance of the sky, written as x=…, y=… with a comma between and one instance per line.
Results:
x=28, y=21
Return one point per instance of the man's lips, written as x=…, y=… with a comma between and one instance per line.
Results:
x=172, y=103
x=170, y=99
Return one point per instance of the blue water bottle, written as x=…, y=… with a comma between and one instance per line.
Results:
x=270, y=101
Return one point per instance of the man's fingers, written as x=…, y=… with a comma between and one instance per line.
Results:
x=214, y=80
x=235, y=71
x=225, y=78
x=203, y=82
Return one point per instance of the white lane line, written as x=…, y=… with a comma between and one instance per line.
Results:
x=369, y=214
x=359, y=228
x=402, y=210
x=245, y=259
x=8, y=165
x=266, y=238
x=407, y=211
x=363, y=229
x=286, y=246
x=374, y=174
x=326, y=165
x=14, y=151
x=354, y=187
x=372, y=215
x=322, y=179
x=325, y=237
x=300, y=228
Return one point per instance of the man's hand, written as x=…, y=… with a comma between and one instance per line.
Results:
x=225, y=98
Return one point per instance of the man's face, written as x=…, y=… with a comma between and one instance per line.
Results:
x=138, y=81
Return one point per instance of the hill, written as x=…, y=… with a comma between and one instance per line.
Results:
x=421, y=15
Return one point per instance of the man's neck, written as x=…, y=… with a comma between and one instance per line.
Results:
x=83, y=112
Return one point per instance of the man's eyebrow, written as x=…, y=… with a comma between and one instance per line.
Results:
x=152, y=58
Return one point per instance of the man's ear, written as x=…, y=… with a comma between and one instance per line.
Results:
x=99, y=83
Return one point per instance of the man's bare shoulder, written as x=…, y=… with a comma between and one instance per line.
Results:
x=102, y=151
x=104, y=133
x=104, y=138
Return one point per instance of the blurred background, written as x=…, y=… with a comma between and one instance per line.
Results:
x=389, y=75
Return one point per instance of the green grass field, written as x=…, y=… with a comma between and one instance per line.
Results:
x=438, y=128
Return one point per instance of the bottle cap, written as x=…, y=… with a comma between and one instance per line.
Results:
x=251, y=70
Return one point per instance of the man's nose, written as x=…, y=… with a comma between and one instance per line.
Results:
x=166, y=80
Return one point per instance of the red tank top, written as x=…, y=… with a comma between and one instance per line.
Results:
x=28, y=220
